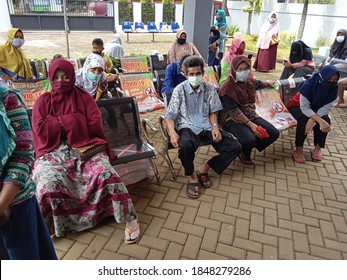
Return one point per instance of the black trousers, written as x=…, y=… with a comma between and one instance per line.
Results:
x=247, y=138
x=228, y=149
x=298, y=72
x=319, y=137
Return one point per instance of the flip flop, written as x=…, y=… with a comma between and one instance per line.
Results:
x=204, y=179
x=316, y=157
x=132, y=234
x=296, y=158
x=340, y=105
x=244, y=160
x=193, y=187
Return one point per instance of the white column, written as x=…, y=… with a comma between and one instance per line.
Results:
x=158, y=14
x=137, y=12
x=116, y=16
x=179, y=14
x=5, y=16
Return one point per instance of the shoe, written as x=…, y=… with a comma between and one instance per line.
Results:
x=316, y=157
x=242, y=158
x=131, y=234
x=193, y=187
x=340, y=105
x=204, y=179
x=296, y=158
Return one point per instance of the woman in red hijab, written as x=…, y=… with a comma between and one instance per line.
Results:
x=75, y=195
x=239, y=116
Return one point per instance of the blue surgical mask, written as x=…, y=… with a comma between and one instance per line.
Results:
x=272, y=20
x=195, y=81
x=93, y=77
x=17, y=42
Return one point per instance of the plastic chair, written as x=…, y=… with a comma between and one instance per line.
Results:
x=139, y=27
x=163, y=25
x=126, y=28
x=175, y=26
x=152, y=28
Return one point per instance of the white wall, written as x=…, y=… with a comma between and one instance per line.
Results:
x=322, y=20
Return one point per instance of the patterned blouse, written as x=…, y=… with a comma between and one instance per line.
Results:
x=192, y=110
x=19, y=165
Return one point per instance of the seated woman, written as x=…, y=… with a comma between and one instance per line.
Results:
x=181, y=47
x=239, y=116
x=237, y=47
x=75, y=195
x=25, y=235
x=300, y=61
x=310, y=107
x=92, y=77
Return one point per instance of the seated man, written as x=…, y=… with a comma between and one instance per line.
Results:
x=98, y=47
x=173, y=77
x=191, y=118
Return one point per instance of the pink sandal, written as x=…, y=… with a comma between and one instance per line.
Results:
x=296, y=158
x=132, y=234
x=316, y=157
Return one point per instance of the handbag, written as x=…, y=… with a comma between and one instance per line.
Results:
x=86, y=152
x=274, y=40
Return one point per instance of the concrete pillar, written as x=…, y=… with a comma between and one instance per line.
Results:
x=137, y=12
x=116, y=17
x=197, y=15
x=5, y=16
x=179, y=14
x=158, y=14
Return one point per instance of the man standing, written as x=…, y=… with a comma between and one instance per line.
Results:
x=191, y=118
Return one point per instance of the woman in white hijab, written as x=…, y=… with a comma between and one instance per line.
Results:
x=114, y=47
x=267, y=44
x=92, y=77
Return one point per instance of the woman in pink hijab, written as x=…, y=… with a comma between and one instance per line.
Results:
x=237, y=48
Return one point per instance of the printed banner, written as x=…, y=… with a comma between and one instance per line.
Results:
x=209, y=76
x=32, y=89
x=134, y=64
x=270, y=107
x=72, y=61
x=141, y=86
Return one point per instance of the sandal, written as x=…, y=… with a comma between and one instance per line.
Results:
x=242, y=158
x=204, y=179
x=340, y=105
x=193, y=190
x=316, y=157
x=296, y=158
x=131, y=234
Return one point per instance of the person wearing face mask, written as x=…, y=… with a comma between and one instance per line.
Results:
x=75, y=194
x=267, y=44
x=310, y=107
x=173, y=76
x=14, y=65
x=181, y=47
x=221, y=25
x=191, y=118
x=237, y=47
x=339, y=50
x=239, y=116
x=300, y=61
x=92, y=77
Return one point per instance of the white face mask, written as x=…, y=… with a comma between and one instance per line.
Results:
x=195, y=81
x=272, y=20
x=243, y=75
x=340, y=39
x=17, y=42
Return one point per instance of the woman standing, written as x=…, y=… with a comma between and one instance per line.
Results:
x=14, y=65
x=310, y=107
x=23, y=231
x=75, y=194
x=181, y=47
x=221, y=25
x=239, y=116
x=267, y=44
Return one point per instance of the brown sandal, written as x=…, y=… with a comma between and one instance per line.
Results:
x=204, y=179
x=193, y=187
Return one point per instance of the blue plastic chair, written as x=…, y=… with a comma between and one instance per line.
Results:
x=175, y=26
x=126, y=28
x=161, y=25
x=139, y=25
x=152, y=28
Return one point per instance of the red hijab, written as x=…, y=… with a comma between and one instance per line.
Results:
x=68, y=112
x=242, y=92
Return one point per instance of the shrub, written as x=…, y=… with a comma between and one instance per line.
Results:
x=148, y=13
x=168, y=13
x=287, y=38
x=125, y=11
x=231, y=29
x=322, y=41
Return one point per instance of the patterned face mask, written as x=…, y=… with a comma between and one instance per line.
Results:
x=243, y=75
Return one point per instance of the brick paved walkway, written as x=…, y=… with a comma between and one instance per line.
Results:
x=276, y=209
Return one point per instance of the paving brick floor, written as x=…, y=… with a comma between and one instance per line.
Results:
x=276, y=209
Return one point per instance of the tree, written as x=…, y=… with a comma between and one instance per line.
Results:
x=303, y=20
x=254, y=7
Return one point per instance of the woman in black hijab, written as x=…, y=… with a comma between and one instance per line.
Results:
x=300, y=61
x=339, y=48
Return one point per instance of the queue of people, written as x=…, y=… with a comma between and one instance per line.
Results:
x=67, y=195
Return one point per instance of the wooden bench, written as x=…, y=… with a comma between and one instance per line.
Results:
x=122, y=126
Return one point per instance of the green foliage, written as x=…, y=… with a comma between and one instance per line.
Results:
x=254, y=6
x=231, y=29
x=148, y=13
x=323, y=41
x=166, y=2
x=287, y=38
x=168, y=13
x=125, y=11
